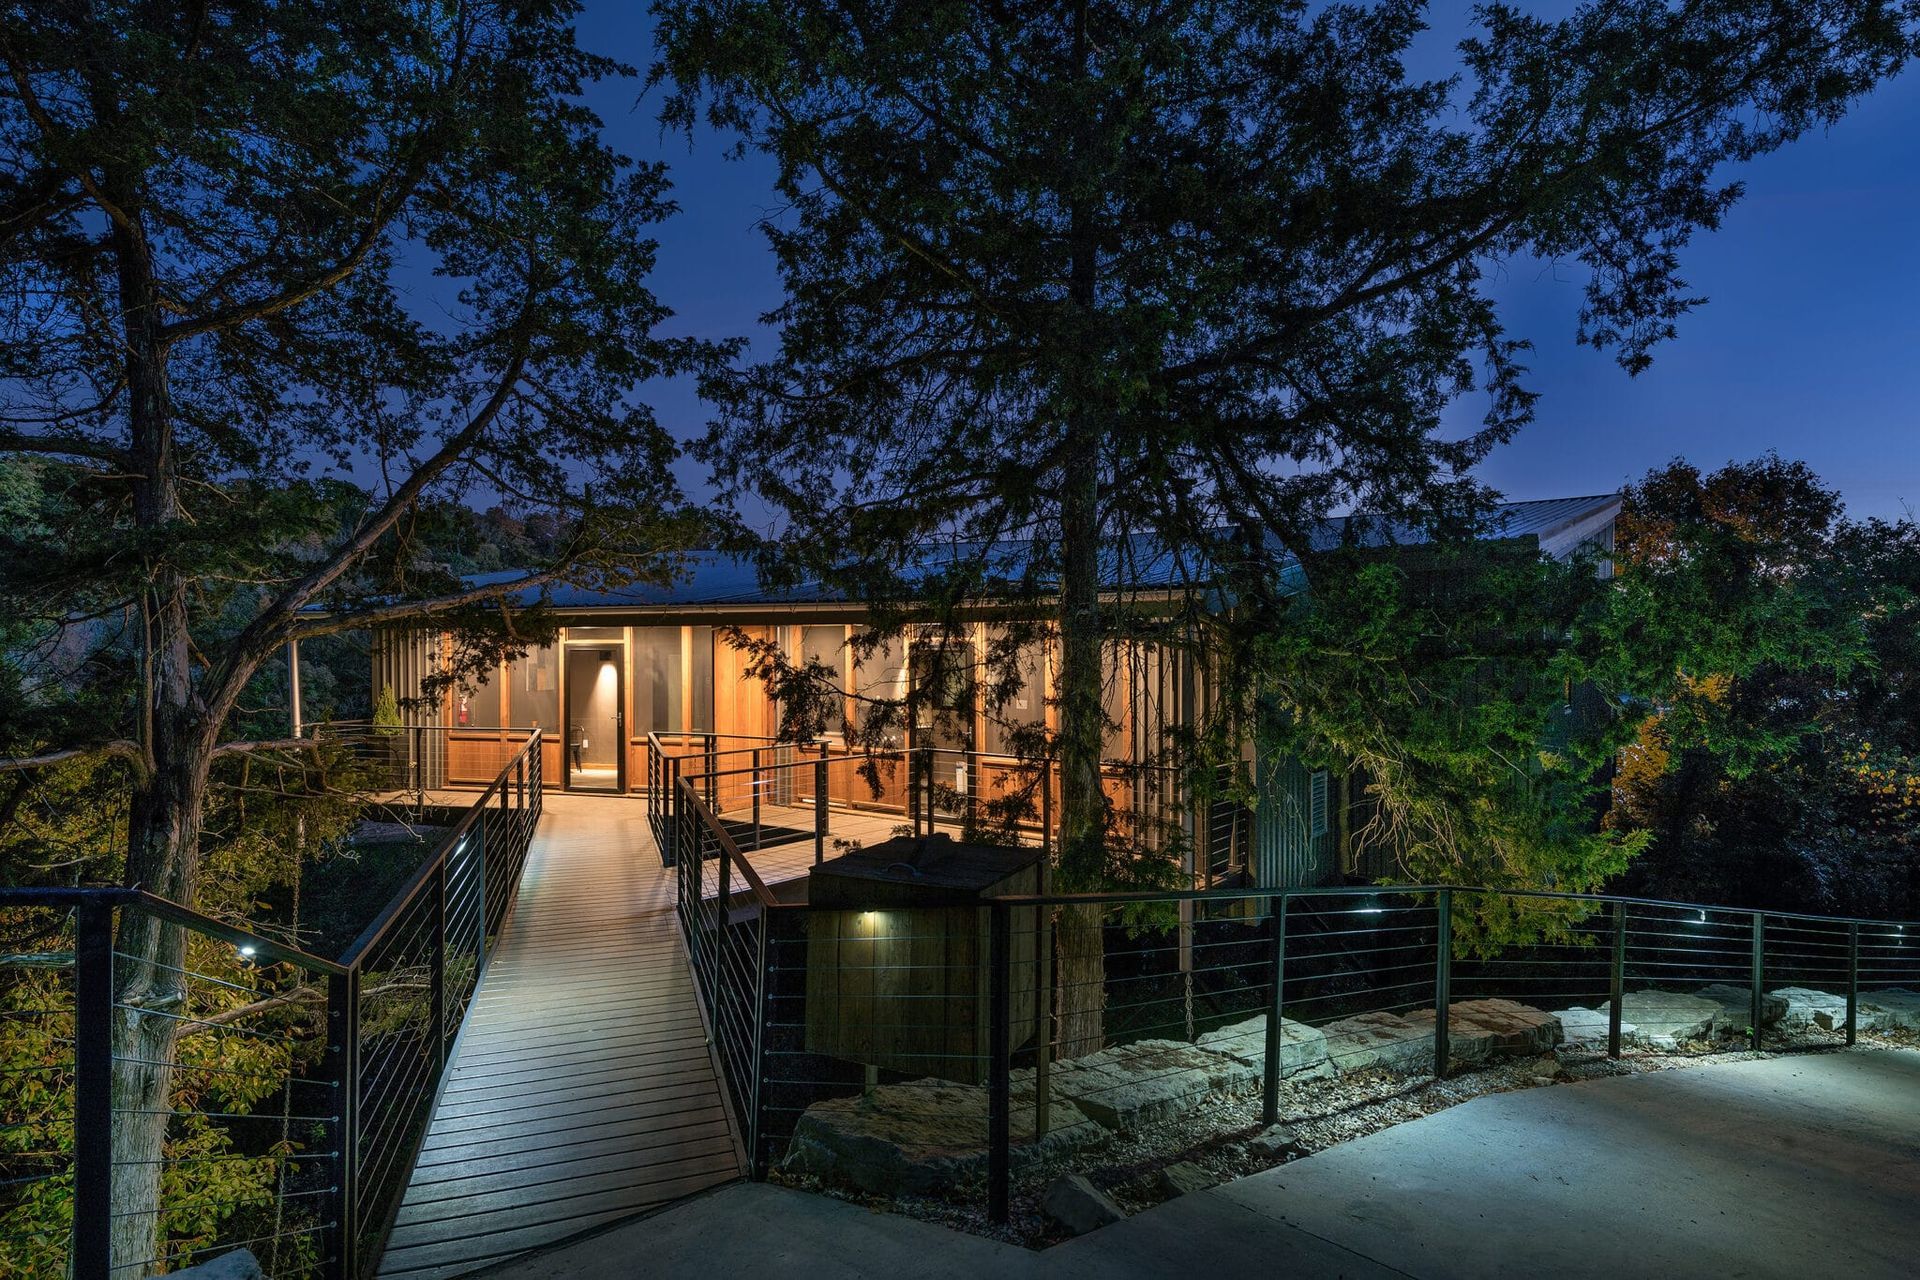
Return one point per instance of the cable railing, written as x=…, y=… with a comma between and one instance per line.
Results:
x=1036, y=1033
x=769, y=793
x=173, y=1086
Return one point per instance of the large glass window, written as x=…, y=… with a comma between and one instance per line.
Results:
x=1116, y=696
x=533, y=690
x=702, y=719
x=828, y=647
x=881, y=679
x=656, y=680
x=478, y=707
x=1026, y=708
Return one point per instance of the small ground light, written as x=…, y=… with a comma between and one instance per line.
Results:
x=246, y=951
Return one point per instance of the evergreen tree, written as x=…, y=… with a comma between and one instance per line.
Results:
x=1184, y=278
x=244, y=240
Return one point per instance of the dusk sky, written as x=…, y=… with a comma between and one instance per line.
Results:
x=1806, y=346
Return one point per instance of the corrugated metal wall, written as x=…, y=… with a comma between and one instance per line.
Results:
x=402, y=658
x=1293, y=830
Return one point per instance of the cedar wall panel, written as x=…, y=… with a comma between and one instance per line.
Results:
x=740, y=702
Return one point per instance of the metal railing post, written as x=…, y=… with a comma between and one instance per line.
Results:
x=753, y=785
x=478, y=834
x=343, y=1072
x=1442, y=982
x=1759, y=974
x=419, y=767
x=1277, y=978
x=756, y=1167
x=1853, y=981
x=1046, y=807
x=820, y=807
x=1617, y=979
x=92, y=1091
x=716, y=941
x=437, y=979
x=999, y=1064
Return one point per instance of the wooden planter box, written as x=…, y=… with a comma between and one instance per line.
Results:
x=897, y=954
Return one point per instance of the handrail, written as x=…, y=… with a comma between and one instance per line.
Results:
x=167, y=909
x=376, y=1114
x=423, y=875
x=735, y=857
x=1120, y=898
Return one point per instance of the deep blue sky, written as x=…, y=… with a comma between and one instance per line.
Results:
x=1808, y=344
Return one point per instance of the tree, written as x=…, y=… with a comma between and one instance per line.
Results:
x=245, y=241
x=1457, y=688
x=1184, y=278
x=1778, y=761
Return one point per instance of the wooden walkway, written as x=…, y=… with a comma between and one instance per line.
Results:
x=581, y=1090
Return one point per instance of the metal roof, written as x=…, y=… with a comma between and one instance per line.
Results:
x=714, y=580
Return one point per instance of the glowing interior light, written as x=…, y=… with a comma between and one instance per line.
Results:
x=1703, y=917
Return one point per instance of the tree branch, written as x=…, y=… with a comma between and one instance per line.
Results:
x=123, y=748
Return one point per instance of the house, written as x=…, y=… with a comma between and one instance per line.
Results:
x=645, y=672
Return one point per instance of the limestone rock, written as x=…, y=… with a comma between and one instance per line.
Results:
x=1895, y=1009
x=1078, y=1205
x=1272, y=1143
x=1184, y=1178
x=1481, y=1029
x=1666, y=1017
x=1736, y=1009
x=1129, y=1087
x=924, y=1135
x=1303, y=1049
x=1379, y=1040
x=237, y=1264
x=1589, y=1026
x=1803, y=1007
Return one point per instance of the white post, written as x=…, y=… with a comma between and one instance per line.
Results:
x=293, y=682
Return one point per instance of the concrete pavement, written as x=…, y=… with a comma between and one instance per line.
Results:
x=1788, y=1167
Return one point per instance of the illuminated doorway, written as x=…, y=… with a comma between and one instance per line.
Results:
x=596, y=730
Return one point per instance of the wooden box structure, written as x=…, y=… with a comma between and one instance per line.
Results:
x=897, y=954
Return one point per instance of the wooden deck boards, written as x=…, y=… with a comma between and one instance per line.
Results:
x=581, y=1091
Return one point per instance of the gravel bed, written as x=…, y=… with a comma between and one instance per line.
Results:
x=1319, y=1114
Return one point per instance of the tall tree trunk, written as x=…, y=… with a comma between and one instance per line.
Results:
x=1080, y=1005
x=1081, y=965
x=163, y=827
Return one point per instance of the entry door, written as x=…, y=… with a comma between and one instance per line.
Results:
x=596, y=718
x=943, y=721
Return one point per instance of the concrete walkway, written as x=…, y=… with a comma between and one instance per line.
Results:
x=1792, y=1167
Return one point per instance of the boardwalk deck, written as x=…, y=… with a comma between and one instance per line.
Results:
x=581, y=1090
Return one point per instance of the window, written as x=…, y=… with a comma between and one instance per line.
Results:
x=656, y=680
x=881, y=678
x=828, y=646
x=479, y=707
x=1025, y=708
x=1116, y=701
x=1317, y=804
x=702, y=721
x=533, y=690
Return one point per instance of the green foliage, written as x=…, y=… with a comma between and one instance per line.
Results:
x=1451, y=681
x=1779, y=760
x=218, y=1174
x=1121, y=301
x=386, y=712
